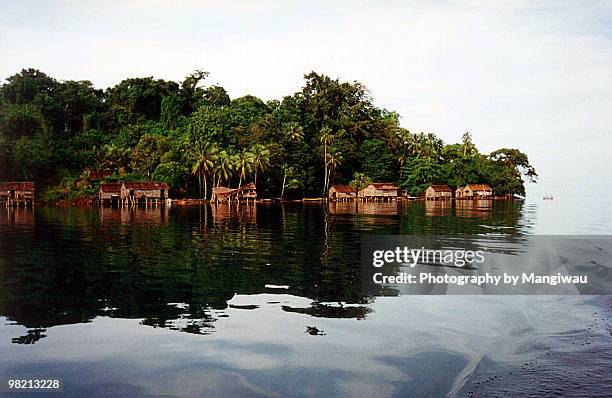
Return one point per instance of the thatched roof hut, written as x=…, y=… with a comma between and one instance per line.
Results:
x=477, y=191
x=109, y=191
x=222, y=194
x=134, y=191
x=247, y=191
x=17, y=192
x=342, y=193
x=379, y=191
x=438, y=191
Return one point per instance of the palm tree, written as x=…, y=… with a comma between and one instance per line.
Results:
x=326, y=139
x=243, y=162
x=203, y=156
x=223, y=168
x=294, y=132
x=114, y=158
x=467, y=144
x=413, y=145
x=261, y=159
x=360, y=181
x=334, y=159
x=292, y=183
x=401, y=159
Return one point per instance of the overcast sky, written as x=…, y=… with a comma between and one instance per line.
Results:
x=535, y=76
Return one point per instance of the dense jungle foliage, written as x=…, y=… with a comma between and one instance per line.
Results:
x=194, y=136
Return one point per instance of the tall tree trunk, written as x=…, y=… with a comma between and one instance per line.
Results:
x=256, y=178
x=205, y=188
x=283, y=189
x=325, y=164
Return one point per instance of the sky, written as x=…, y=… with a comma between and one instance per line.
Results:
x=536, y=76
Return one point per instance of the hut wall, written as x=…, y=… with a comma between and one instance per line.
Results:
x=335, y=194
x=143, y=193
x=430, y=193
x=109, y=195
x=344, y=195
x=467, y=193
x=17, y=192
x=248, y=194
x=371, y=192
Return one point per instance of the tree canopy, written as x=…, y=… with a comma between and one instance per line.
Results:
x=194, y=136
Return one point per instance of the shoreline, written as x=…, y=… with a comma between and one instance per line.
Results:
x=82, y=202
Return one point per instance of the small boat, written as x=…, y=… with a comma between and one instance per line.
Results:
x=548, y=197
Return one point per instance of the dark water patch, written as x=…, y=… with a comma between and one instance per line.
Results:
x=330, y=311
x=244, y=307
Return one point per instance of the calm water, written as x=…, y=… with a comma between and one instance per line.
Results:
x=178, y=302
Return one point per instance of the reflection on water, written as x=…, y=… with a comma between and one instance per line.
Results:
x=379, y=209
x=191, y=281
x=226, y=212
x=474, y=208
x=74, y=264
x=439, y=207
x=365, y=208
x=16, y=216
x=134, y=215
x=343, y=207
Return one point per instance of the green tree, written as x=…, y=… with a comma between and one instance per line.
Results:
x=147, y=154
x=172, y=172
x=141, y=98
x=334, y=159
x=360, y=181
x=377, y=160
x=326, y=138
x=30, y=155
x=223, y=167
x=419, y=173
x=203, y=156
x=170, y=112
x=294, y=132
x=468, y=147
x=261, y=159
x=507, y=170
x=289, y=180
x=115, y=158
x=216, y=96
x=244, y=164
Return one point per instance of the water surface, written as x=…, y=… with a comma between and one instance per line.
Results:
x=191, y=301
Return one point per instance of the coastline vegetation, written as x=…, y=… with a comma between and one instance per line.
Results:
x=194, y=136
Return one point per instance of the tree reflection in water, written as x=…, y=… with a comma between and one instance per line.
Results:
x=177, y=268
